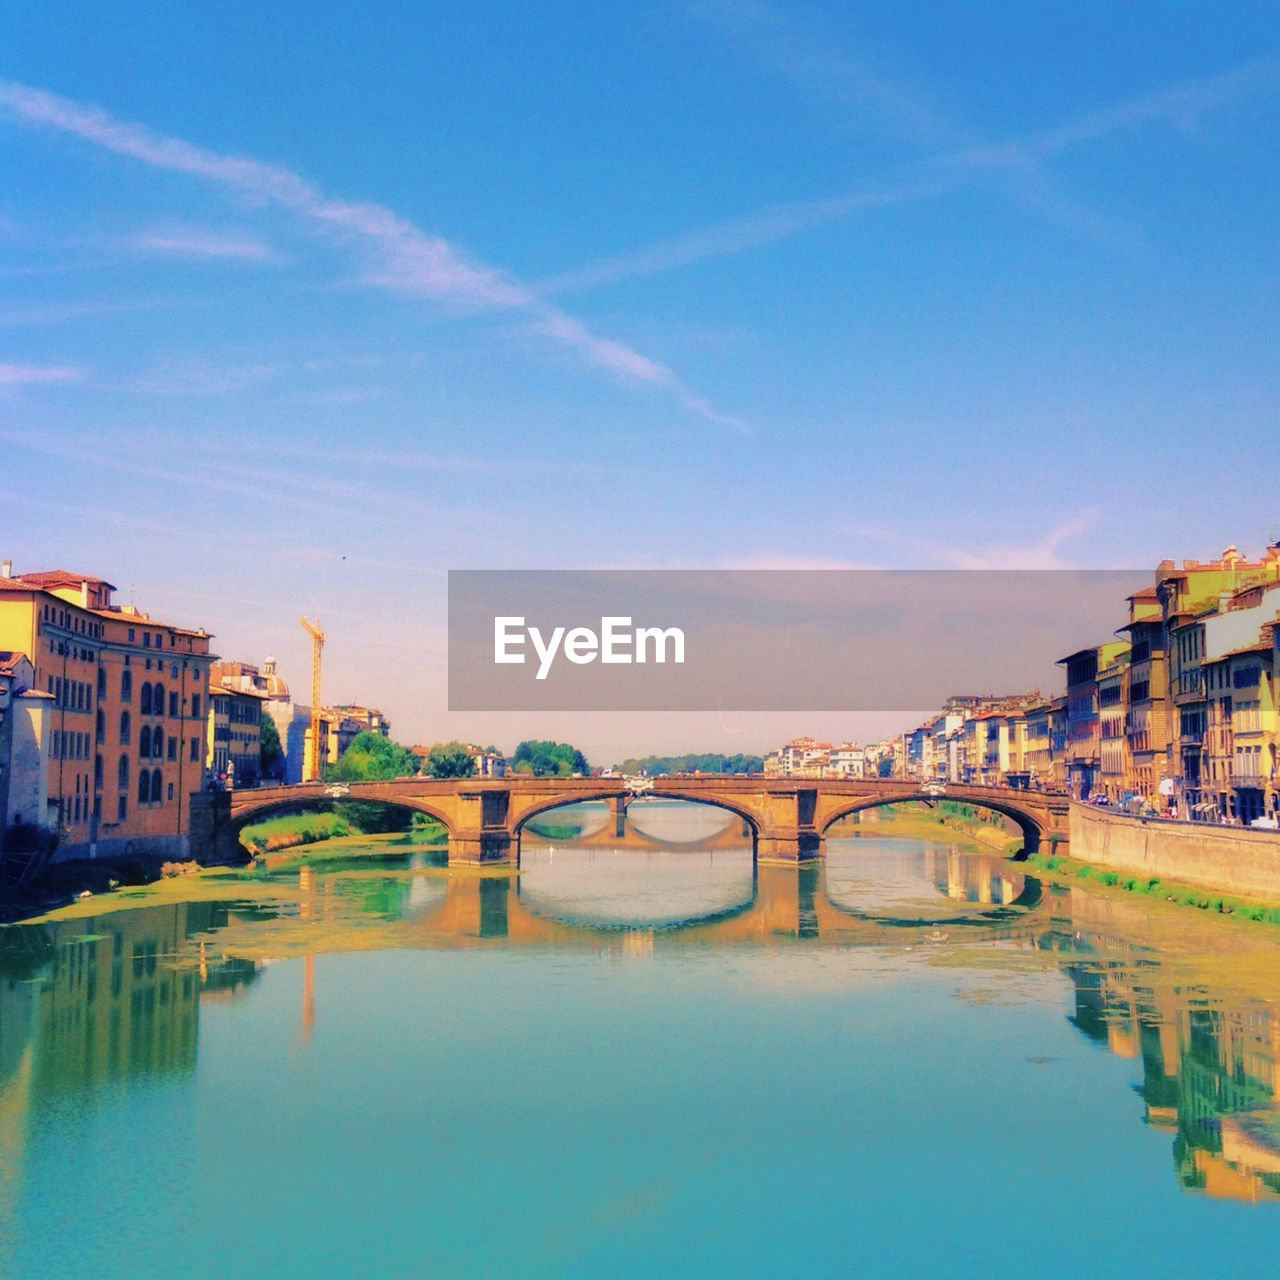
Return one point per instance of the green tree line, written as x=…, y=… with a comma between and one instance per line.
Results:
x=707, y=762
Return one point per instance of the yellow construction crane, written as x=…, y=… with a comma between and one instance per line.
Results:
x=311, y=764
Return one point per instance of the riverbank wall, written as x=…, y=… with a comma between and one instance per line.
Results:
x=1235, y=860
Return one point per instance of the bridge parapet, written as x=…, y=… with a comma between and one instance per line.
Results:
x=484, y=817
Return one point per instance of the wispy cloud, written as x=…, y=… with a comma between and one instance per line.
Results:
x=735, y=235
x=776, y=40
x=1045, y=553
x=1182, y=106
x=14, y=375
x=201, y=243
x=201, y=378
x=53, y=313
x=399, y=257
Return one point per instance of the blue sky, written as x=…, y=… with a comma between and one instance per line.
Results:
x=303, y=304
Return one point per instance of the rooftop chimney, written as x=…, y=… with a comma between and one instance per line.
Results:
x=6, y=568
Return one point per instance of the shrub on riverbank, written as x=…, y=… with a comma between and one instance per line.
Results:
x=1152, y=886
x=286, y=830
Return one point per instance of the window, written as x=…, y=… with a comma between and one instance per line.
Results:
x=195, y=749
x=126, y=685
x=122, y=808
x=144, y=786
x=124, y=728
x=130, y=635
x=122, y=774
x=156, y=784
x=144, y=742
x=171, y=791
x=157, y=743
x=97, y=770
x=157, y=700
x=144, y=700
x=173, y=704
x=173, y=748
x=195, y=705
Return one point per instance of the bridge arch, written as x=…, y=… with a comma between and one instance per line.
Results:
x=245, y=815
x=1027, y=823
x=753, y=820
x=627, y=798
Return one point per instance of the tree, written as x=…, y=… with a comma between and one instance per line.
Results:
x=270, y=757
x=450, y=760
x=545, y=759
x=373, y=758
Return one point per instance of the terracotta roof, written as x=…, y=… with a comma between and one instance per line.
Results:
x=49, y=578
x=1258, y=646
x=116, y=614
x=216, y=686
x=9, y=660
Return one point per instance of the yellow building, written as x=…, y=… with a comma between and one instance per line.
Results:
x=233, y=746
x=1113, y=745
x=127, y=725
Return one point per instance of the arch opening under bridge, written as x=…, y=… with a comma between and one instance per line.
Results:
x=1028, y=825
x=623, y=824
x=315, y=801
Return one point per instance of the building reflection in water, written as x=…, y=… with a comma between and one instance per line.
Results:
x=1210, y=1072
x=91, y=1001
x=112, y=996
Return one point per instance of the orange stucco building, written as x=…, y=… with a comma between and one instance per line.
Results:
x=130, y=699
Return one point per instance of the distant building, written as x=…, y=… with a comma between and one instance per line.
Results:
x=233, y=748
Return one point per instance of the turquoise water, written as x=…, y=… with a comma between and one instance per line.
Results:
x=902, y=1063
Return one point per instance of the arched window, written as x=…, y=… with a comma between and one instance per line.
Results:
x=144, y=789
x=122, y=773
x=126, y=685
x=157, y=700
x=144, y=700
x=124, y=728
x=102, y=682
x=157, y=744
x=155, y=786
x=144, y=736
x=97, y=770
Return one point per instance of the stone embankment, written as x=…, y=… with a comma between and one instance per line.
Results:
x=1235, y=860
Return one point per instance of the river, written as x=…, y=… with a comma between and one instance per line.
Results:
x=905, y=1061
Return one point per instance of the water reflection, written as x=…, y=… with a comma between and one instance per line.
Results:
x=899, y=881
x=111, y=997
x=1210, y=1071
x=92, y=1001
x=611, y=889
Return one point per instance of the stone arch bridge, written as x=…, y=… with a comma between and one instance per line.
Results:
x=787, y=817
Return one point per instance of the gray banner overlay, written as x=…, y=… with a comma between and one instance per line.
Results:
x=769, y=640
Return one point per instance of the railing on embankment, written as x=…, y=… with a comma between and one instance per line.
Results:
x=1232, y=860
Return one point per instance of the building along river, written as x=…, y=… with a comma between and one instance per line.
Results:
x=907, y=1060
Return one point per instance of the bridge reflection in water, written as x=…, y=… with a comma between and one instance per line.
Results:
x=86, y=1002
